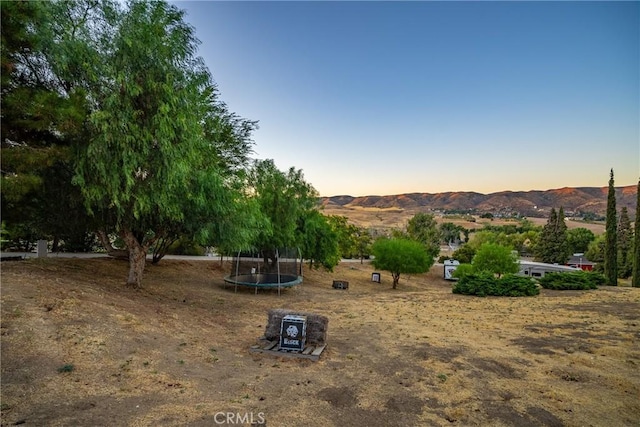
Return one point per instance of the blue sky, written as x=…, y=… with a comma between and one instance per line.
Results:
x=398, y=97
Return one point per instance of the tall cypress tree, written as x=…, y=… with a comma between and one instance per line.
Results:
x=625, y=244
x=610, y=247
x=636, y=243
x=562, y=247
x=545, y=250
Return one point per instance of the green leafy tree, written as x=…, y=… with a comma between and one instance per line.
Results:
x=41, y=119
x=495, y=259
x=422, y=228
x=464, y=254
x=595, y=252
x=625, y=245
x=451, y=232
x=611, y=239
x=578, y=239
x=552, y=246
x=284, y=199
x=635, y=282
x=400, y=256
x=147, y=155
x=363, y=243
x=347, y=235
x=318, y=240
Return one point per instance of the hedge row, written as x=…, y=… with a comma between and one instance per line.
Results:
x=572, y=281
x=485, y=284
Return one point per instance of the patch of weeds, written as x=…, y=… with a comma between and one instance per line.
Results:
x=125, y=365
x=4, y=406
x=212, y=350
x=570, y=377
x=145, y=363
x=181, y=362
x=442, y=377
x=66, y=368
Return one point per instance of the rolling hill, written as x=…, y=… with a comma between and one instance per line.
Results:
x=536, y=203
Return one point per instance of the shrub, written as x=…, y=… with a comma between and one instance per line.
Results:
x=484, y=284
x=464, y=254
x=463, y=270
x=571, y=281
x=443, y=258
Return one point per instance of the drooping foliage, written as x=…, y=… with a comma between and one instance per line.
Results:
x=153, y=152
x=318, y=240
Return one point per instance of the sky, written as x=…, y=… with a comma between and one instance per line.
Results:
x=383, y=98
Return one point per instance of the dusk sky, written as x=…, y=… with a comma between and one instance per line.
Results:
x=380, y=98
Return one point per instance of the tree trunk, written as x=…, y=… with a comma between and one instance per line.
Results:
x=111, y=251
x=137, y=259
x=396, y=279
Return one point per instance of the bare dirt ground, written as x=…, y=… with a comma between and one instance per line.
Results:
x=79, y=348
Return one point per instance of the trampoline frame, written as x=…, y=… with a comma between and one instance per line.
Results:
x=258, y=280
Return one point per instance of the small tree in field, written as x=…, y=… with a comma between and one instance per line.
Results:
x=495, y=259
x=400, y=256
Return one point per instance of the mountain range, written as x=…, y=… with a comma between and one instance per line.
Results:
x=576, y=201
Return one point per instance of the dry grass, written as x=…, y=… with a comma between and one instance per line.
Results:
x=177, y=352
x=397, y=218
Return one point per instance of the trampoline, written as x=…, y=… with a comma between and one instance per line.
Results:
x=274, y=269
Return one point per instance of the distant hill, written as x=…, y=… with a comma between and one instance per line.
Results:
x=527, y=203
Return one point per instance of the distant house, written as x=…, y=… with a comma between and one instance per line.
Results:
x=580, y=261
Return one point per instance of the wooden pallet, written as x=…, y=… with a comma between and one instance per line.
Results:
x=273, y=348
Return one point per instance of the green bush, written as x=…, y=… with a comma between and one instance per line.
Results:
x=186, y=247
x=571, y=281
x=463, y=270
x=443, y=258
x=486, y=284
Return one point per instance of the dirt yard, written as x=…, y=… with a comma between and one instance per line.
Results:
x=81, y=349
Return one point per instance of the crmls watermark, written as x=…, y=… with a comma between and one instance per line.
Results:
x=238, y=418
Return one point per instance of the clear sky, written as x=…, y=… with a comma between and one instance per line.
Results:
x=379, y=98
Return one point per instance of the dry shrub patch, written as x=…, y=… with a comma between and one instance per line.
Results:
x=177, y=351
